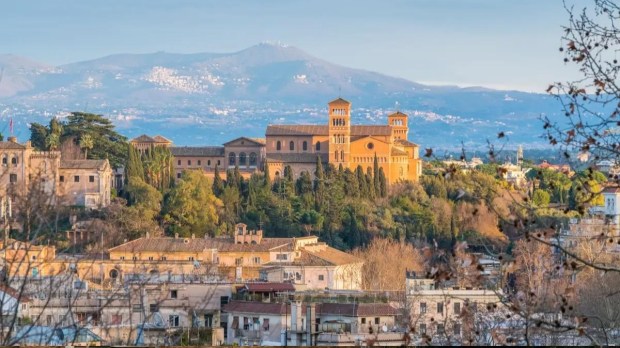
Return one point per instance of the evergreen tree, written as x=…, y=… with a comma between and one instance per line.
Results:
x=135, y=168
x=319, y=185
x=375, y=176
x=383, y=186
x=351, y=186
x=218, y=184
x=361, y=179
x=370, y=184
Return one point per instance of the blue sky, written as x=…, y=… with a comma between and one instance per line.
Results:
x=507, y=44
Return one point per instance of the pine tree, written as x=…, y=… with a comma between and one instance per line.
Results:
x=218, y=184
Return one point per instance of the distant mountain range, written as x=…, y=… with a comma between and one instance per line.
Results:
x=207, y=98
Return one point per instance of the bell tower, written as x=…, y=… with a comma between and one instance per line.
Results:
x=398, y=122
x=339, y=132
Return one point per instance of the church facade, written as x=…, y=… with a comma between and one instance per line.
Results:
x=341, y=143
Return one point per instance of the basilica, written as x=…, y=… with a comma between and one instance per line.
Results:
x=338, y=143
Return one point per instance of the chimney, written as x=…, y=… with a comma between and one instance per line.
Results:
x=13, y=139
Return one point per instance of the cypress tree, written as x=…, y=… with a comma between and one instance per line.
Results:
x=218, y=184
x=370, y=183
x=319, y=185
x=361, y=179
x=382, y=183
x=135, y=167
x=375, y=176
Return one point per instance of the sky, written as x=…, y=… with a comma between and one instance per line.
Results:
x=504, y=44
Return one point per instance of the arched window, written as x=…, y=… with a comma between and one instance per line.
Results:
x=4, y=160
x=209, y=163
x=242, y=159
x=336, y=155
x=291, y=145
x=277, y=173
x=305, y=146
x=232, y=159
x=252, y=158
x=278, y=145
x=342, y=156
x=318, y=146
x=14, y=160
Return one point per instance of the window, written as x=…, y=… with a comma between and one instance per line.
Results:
x=154, y=307
x=199, y=162
x=91, y=178
x=13, y=178
x=179, y=162
x=257, y=260
x=422, y=307
x=440, y=308
x=317, y=147
x=178, y=175
x=135, y=258
x=219, y=162
x=224, y=300
x=246, y=323
x=440, y=329
x=4, y=160
x=239, y=261
x=377, y=321
x=163, y=258
x=235, y=323
x=174, y=293
x=117, y=319
x=457, y=308
x=173, y=320
x=242, y=159
x=122, y=257
x=342, y=155
x=297, y=276
x=209, y=163
x=113, y=273
x=137, y=308
x=14, y=160
x=278, y=145
x=457, y=329
x=422, y=329
x=291, y=146
x=62, y=178
x=76, y=178
x=232, y=159
x=305, y=146
x=189, y=162
x=363, y=320
x=321, y=277
x=266, y=324
x=191, y=258
x=208, y=320
x=281, y=257
x=150, y=258
x=252, y=158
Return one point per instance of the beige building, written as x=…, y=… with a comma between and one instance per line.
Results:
x=76, y=182
x=341, y=143
x=448, y=312
x=145, y=142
